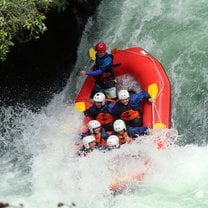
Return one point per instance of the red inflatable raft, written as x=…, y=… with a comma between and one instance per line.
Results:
x=149, y=74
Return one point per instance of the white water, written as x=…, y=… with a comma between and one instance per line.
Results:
x=176, y=177
x=37, y=165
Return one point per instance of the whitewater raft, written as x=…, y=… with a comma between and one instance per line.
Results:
x=149, y=74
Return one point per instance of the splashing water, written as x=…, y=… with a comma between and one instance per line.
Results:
x=38, y=163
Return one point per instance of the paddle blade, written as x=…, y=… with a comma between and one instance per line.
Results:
x=80, y=106
x=158, y=125
x=153, y=90
x=92, y=53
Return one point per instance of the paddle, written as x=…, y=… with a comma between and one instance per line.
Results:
x=92, y=53
x=81, y=106
x=153, y=92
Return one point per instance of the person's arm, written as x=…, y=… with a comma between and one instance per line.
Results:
x=84, y=134
x=104, y=135
x=110, y=108
x=91, y=73
x=92, y=111
x=138, y=97
x=99, y=70
x=115, y=112
x=96, y=72
x=107, y=62
x=137, y=131
x=88, y=112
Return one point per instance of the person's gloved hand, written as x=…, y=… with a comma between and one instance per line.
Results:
x=151, y=100
x=82, y=72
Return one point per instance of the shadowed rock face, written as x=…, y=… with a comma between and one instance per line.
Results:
x=35, y=70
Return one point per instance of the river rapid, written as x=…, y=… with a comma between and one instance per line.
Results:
x=38, y=162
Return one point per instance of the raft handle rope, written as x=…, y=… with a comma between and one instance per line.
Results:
x=144, y=53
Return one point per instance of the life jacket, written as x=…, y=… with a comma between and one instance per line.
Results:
x=99, y=140
x=107, y=78
x=127, y=112
x=105, y=118
x=130, y=114
x=123, y=138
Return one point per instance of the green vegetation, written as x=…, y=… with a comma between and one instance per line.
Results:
x=23, y=20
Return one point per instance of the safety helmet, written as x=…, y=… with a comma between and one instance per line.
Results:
x=101, y=47
x=99, y=97
x=86, y=140
x=123, y=94
x=93, y=124
x=113, y=140
x=119, y=125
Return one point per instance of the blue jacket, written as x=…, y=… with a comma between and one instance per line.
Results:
x=103, y=72
x=93, y=111
x=102, y=64
x=134, y=103
x=134, y=132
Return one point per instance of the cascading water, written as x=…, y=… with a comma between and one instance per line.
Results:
x=38, y=164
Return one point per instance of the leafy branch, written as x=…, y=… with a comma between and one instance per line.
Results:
x=23, y=20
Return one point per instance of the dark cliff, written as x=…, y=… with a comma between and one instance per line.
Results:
x=34, y=71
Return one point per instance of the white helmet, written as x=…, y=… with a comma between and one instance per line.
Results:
x=113, y=140
x=86, y=140
x=119, y=125
x=123, y=94
x=93, y=124
x=99, y=97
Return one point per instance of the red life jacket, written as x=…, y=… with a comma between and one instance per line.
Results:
x=99, y=140
x=123, y=138
x=104, y=118
x=130, y=115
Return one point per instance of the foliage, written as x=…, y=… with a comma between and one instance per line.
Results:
x=23, y=20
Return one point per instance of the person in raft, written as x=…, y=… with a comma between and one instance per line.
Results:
x=103, y=72
x=113, y=142
x=128, y=107
x=95, y=129
x=89, y=144
x=101, y=110
x=126, y=135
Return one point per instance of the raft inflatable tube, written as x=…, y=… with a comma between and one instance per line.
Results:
x=149, y=74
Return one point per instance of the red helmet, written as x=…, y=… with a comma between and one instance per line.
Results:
x=101, y=47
